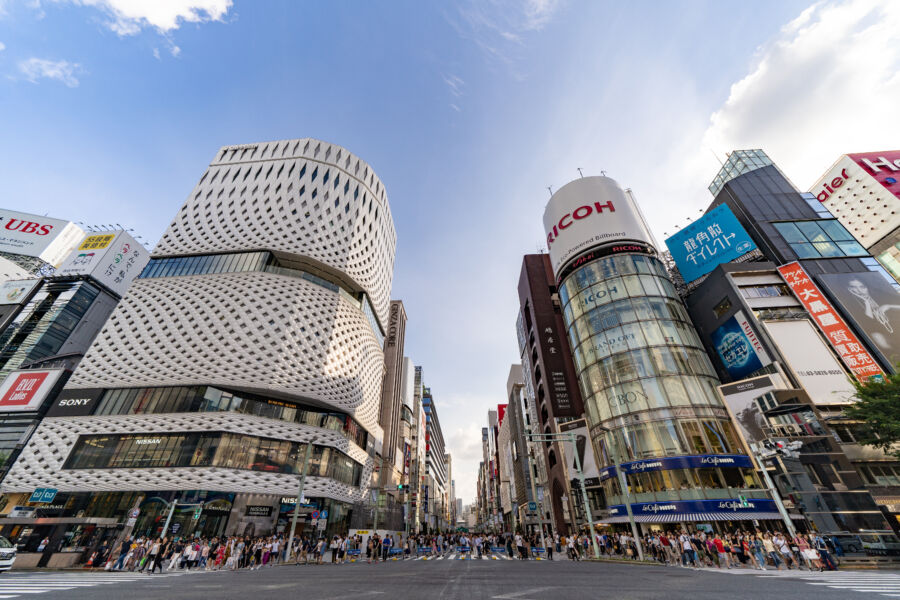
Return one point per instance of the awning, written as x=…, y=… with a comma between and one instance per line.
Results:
x=59, y=521
x=701, y=517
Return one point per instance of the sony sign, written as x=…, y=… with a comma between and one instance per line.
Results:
x=75, y=403
x=587, y=213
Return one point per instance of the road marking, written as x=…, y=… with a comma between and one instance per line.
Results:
x=520, y=594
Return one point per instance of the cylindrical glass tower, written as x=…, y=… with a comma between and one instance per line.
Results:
x=647, y=383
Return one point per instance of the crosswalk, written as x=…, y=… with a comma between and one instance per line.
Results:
x=883, y=583
x=18, y=585
x=460, y=556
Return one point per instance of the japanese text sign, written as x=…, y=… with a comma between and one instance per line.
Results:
x=715, y=238
x=830, y=323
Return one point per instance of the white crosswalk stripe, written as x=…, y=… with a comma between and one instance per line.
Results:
x=884, y=583
x=18, y=585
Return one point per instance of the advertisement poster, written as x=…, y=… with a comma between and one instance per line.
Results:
x=584, y=449
x=33, y=235
x=25, y=391
x=837, y=332
x=739, y=348
x=740, y=398
x=815, y=366
x=873, y=305
x=15, y=292
x=715, y=238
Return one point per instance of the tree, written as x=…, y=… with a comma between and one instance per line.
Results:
x=878, y=406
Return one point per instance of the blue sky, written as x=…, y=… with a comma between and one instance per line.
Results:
x=110, y=110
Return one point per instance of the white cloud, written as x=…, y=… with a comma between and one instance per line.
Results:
x=499, y=26
x=455, y=84
x=61, y=70
x=129, y=17
x=2, y=46
x=828, y=84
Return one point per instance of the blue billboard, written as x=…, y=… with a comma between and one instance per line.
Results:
x=711, y=240
x=740, y=355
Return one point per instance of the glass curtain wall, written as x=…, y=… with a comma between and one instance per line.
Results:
x=638, y=356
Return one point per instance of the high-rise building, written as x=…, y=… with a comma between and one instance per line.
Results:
x=863, y=192
x=552, y=386
x=789, y=352
x=649, y=389
x=255, y=331
x=436, y=475
x=392, y=459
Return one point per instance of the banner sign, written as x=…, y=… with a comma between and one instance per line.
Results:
x=696, y=506
x=585, y=451
x=114, y=259
x=739, y=348
x=26, y=390
x=16, y=292
x=827, y=319
x=700, y=461
x=814, y=364
x=715, y=238
x=259, y=511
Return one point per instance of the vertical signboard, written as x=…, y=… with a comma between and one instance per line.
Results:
x=815, y=366
x=583, y=448
x=740, y=399
x=739, y=348
x=837, y=332
x=715, y=238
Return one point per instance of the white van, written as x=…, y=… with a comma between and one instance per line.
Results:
x=7, y=554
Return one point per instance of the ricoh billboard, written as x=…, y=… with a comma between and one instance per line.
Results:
x=587, y=213
x=51, y=240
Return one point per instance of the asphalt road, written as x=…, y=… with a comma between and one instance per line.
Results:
x=456, y=580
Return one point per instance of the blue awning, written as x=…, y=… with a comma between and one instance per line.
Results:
x=700, y=517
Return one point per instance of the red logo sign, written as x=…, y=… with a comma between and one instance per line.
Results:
x=829, y=322
x=883, y=166
x=23, y=389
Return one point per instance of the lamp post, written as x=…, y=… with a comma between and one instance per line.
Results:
x=303, y=471
x=570, y=437
x=623, y=481
x=761, y=457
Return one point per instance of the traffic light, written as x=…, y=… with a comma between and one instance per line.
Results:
x=400, y=487
x=744, y=501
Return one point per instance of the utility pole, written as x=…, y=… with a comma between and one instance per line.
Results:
x=531, y=474
x=169, y=518
x=587, y=503
x=303, y=471
x=772, y=490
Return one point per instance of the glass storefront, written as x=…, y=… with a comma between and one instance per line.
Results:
x=136, y=401
x=209, y=449
x=638, y=356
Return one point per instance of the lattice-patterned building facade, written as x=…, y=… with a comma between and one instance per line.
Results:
x=257, y=327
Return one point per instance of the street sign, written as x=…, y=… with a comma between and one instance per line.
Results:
x=322, y=523
x=43, y=495
x=313, y=522
x=532, y=506
x=314, y=515
x=131, y=522
x=324, y=514
x=176, y=527
x=134, y=512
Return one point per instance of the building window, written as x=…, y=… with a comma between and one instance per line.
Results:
x=722, y=307
x=209, y=449
x=825, y=238
x=765, y=291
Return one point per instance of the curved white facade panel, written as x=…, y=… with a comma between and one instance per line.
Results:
x=258, y=332
x=40, y=463
x=304, y=197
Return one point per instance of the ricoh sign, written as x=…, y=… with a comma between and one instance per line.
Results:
x=587, y=213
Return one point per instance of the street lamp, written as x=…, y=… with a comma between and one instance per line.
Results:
x=303, y=471
x=623, y=481
x=570, y=437
x=761, y=454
